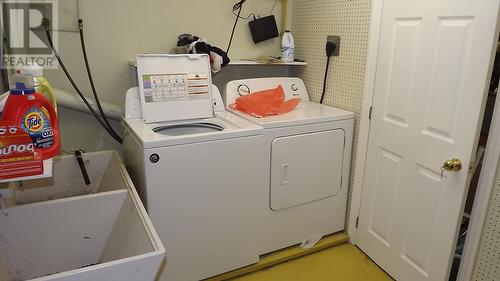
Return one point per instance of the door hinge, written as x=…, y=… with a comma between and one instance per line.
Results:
x=471, y=168
x=357, y=222
x=370, y=114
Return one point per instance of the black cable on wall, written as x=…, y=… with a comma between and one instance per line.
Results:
x=111, y=132
x=4, y=78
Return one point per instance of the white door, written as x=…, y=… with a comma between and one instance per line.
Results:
x=432, y=71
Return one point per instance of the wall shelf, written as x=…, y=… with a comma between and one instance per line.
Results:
x=252, y=63
x=247, y=62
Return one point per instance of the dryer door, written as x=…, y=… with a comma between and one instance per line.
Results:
x=306, y=168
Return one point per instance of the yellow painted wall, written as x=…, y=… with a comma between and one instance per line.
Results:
x=116, y=30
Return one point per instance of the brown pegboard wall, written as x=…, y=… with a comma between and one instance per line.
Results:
x=487, y=264
x=312, y=22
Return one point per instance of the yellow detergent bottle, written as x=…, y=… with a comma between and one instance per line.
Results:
x=41, y=84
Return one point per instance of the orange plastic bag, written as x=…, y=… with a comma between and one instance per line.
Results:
x=265, y=103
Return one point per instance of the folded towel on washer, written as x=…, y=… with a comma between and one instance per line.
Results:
x=265, y=103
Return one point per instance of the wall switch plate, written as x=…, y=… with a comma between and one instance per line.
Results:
x=336, y=40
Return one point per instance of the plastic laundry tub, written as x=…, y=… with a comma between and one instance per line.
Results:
x=62, y=229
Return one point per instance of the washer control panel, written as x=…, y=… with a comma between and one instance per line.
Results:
x=293, y=87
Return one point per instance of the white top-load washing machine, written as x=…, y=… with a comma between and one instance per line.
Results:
x=196, y=168
x=308, y=152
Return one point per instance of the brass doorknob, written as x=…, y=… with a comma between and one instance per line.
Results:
x=452, y=165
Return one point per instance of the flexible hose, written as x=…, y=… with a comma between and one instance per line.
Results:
x=46, y=24
x=92, y=85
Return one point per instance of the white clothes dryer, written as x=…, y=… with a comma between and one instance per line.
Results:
x=307, y=152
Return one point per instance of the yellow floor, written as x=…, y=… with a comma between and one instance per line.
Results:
x=343, y=263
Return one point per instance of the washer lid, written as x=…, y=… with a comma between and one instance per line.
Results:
x=174, y=87
x=304, y=113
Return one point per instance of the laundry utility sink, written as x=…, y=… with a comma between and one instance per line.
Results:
x=60, y=228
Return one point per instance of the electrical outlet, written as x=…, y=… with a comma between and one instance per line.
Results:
x=336, y=40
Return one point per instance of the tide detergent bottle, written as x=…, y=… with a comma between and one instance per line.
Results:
x=40, y=83
x=34, y=114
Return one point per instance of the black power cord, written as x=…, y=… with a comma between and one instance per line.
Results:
x=236, y=7
x=330, y=49
x=92, y=86
x=244, y=18
x=46, y=24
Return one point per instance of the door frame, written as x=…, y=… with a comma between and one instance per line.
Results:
x=364, y=124
x=488, y=172
x=484, y=191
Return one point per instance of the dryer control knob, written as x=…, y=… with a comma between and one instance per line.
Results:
x=243, y=90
